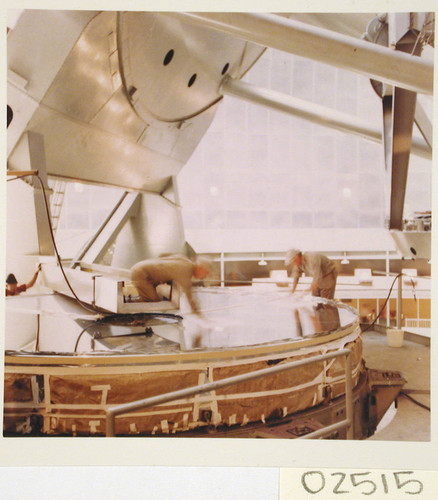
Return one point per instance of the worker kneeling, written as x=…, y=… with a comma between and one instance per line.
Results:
x=318, y=266
x=148, y=274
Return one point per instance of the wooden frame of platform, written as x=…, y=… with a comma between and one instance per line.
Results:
x=60, y=394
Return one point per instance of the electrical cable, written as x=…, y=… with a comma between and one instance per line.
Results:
x=98, y=310
x=58, y=257
x=384, y=305
x=387, y=298
x=80, y=335
x=37, y=341
x=415, y=401
x=107, y=315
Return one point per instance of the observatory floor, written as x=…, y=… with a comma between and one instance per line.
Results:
x=411, y=422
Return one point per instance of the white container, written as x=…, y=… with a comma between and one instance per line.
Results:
x=394, y=337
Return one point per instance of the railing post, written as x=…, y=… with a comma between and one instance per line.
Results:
x=349, y=396
x=110, y=423
x=399, y=302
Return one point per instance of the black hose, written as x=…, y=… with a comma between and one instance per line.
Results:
x=415, y=401
x=37, y=342
x=384, y=305
x=58, y=257
x=82, y=332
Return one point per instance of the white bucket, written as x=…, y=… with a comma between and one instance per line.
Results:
x=394, y=337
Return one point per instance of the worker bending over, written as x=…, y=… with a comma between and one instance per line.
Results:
x=147, y=274
x=322, y=270
x=12, y=286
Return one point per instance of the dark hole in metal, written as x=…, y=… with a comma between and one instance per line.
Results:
x=225, y=68
x=192, y=80
x=168, y=57
x=274, y=361
x=413, y=250
x=10, y=115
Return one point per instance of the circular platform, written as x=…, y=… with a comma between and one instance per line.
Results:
x=121, y=359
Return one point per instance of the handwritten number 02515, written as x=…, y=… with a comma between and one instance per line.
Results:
x=314, y=482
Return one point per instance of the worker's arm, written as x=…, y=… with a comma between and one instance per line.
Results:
x=192, y=301
x=33, y=280
x=294, y=285
x=295, y=273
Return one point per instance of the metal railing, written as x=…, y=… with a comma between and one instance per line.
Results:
x=112, y=412
x=418, y=323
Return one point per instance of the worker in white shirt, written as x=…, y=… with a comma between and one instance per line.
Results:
x=318, y=266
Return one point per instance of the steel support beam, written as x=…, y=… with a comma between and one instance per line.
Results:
x=35, y=159
x=399, y=122
x=96, y=247
x=312, y=112
x=424, y=125
x=399, y=302
x=402, y=123
x=372, y=60
x=387, y=146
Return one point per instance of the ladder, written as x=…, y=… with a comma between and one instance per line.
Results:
x=58, y=188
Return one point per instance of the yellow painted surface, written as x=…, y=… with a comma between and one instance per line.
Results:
x=424, y=305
